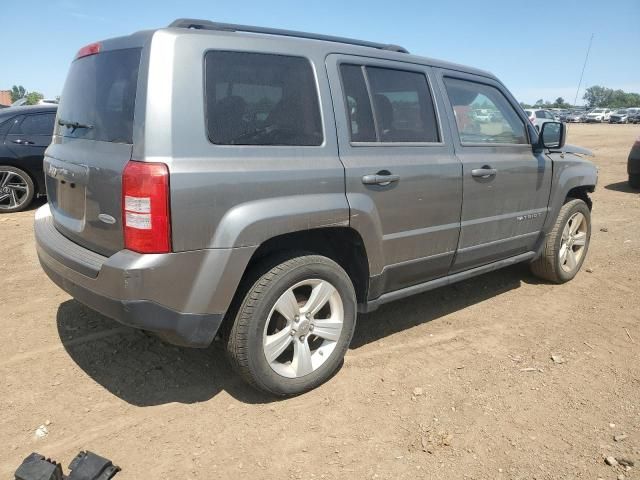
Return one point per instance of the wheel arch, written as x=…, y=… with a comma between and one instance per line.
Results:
x=343, y=245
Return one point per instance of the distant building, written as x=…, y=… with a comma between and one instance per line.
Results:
x=5, y=98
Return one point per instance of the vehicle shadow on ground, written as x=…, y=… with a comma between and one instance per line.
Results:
x=419, y=309
x=621, y=187
x=142, y=370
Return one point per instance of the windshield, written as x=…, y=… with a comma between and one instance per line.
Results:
x=621, y=112
x=597, y=110
x=99, y=97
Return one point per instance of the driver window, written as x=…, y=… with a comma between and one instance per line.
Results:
x=483, y=114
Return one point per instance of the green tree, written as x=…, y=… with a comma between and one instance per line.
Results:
x=539, y=103
x=33, y=98
x=560, y=103
x=598, y=96
x=17, y=92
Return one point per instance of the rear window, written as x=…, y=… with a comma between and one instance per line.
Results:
x=101, y=91
x=261, y=99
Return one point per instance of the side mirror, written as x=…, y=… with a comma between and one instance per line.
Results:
x=552, y=135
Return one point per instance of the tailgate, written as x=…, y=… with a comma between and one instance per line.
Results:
x=84, y=181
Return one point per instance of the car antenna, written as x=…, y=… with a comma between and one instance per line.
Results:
x=575, y=100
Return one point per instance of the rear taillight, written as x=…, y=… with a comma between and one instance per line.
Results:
x=90, y=49
x=145, y=207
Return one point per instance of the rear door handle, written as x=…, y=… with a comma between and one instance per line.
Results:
x=484, y=172
x=19, y=141
x=380, y=179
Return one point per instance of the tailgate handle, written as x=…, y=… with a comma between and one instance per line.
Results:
x=19, y=141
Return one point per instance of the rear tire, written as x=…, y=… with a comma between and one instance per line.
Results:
x=16, y=189
x=294, y=325
x=566, y=246
x=634, y=180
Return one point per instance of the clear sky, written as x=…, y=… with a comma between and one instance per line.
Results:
x=536, y=47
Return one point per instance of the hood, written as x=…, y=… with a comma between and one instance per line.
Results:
x=573, y=149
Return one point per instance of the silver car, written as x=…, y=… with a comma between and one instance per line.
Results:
x=266, y=186
x=539, y=117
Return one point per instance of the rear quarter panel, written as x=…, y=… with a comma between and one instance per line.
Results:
x=234, y=196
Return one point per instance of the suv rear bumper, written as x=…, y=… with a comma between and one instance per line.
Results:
x=182, y=296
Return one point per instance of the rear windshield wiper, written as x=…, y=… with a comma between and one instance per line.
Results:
x=73, y=125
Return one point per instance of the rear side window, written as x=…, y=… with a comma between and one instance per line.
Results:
x=468, y=98
x=36, y=125
x=100, y=91
x=403, y=106
x=261, y=99
x=540, y=114
x=357, y=102
x=6, y=124
x=400, y=102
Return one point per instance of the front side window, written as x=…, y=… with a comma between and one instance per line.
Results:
x=467, y=98
x=261, y=99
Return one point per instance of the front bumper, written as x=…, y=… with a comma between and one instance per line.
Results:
x=182, y=296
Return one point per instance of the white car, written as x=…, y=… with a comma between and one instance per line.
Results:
x=539, y=117
x=482, y=115
x=43, y=101
x=599, y=115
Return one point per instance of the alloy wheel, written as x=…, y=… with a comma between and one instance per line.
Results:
x=14, y=190
x=573, y=242
x=303, y=328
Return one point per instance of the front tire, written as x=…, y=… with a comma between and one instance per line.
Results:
x=566, y=246
x=294, y=326
x=16, y=189
x=634, y=180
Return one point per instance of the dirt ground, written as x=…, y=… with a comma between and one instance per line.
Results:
x=492, y=404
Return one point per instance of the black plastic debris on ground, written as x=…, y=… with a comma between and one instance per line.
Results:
x=86, y=466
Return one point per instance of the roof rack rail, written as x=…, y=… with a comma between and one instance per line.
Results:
x=230, y=27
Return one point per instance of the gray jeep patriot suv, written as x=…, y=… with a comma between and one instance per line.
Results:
x=266, y=185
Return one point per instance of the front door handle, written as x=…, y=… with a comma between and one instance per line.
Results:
x=380, y=178
x=485, y=172
x=19, y=141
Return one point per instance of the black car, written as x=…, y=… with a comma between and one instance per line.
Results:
x=633, y=165
x=25, y=133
